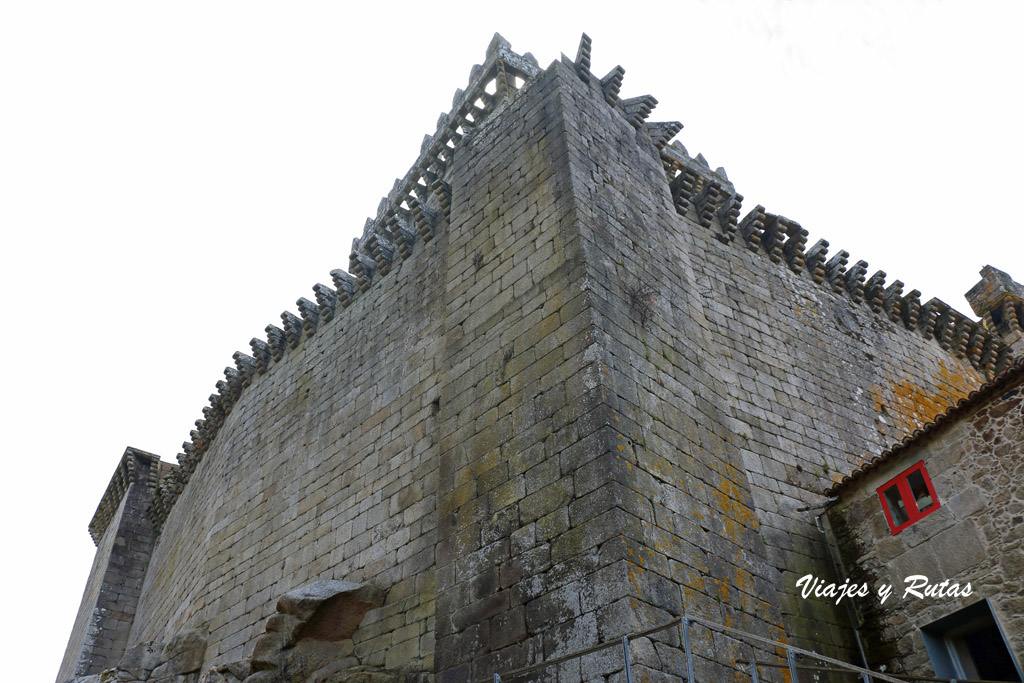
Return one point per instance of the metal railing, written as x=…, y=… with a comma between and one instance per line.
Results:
x=747, y=666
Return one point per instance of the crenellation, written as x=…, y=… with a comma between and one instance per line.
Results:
x=583, y=58
x=910, y=309
x=706, y=203
x=929, y=317
x=891, y=301
x=214, y=415
x=611, y=84
x=975, y=345
x=405, y=234
x=246, y=366
x=853, y=281
x=835, y=270
x=1005, y=357
x=962, y=329
x=814, y=259
x=683, y=187
x=874, y=292
x=772, y=237
x=262, y=354
x=293, y=329
x=442, y=191
x=1011, y=315
x=310, y=313
x=945, y=320
x=662, y=132
x=637, y=109
x=752, y=227
x=345, y=285
x=426, y=219
x=361, y=265
x=277, y=341
x=326, y=301
x=202, y=433
x=796, y=240
x=728, y=215
x=989, y=356
x=225, y=395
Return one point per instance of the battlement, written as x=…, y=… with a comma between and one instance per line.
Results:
x=124, y=476
x=419, y=203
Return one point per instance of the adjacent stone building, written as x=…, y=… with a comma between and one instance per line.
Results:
x=566, y=390
x=963, y=523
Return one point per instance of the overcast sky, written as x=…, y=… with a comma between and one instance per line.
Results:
x=174, y=175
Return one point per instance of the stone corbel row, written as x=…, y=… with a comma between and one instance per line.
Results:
x=265, y=353
x=634, y=109
x=413, y=211
x=1010, y=314
x=715, y=204
x=420, y=201
x=782, y=239
x=111, y=500
x=694, y=185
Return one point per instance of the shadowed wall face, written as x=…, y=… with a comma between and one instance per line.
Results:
x=124, y=539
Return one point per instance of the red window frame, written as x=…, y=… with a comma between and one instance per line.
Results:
x=902, y=484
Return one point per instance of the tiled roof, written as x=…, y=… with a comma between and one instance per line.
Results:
x=1005, y=380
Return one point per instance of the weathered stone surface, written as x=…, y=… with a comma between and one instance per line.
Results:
x=575, y=406
x=330, y=610
x=140, y=659
x=234, y=672
x=975, y=536
x=182, y=655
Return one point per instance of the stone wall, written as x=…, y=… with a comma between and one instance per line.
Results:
x=325, y=469
x=976, y=536
x=567, y=388
x=814, y=380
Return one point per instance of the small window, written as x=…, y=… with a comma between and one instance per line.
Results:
x=970, y=643
x=908, y=498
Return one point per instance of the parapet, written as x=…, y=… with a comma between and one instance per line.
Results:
x=712, y=201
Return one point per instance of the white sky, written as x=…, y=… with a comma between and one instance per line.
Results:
x=174, y=175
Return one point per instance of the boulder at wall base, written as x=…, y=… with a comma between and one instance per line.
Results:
x=330, y=610
x=312, y=631
x=139, y=660
x=183, y=655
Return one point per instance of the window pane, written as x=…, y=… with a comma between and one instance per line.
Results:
x=922, y=496
x=895, y=503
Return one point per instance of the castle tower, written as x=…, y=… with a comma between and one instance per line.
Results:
x=1000, y=303
x=563, y=393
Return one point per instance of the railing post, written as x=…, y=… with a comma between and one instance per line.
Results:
x=753, y=664
x=625, y=656
x=791, y=657
x=685, y=621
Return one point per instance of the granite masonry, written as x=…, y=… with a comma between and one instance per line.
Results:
x=566, y=390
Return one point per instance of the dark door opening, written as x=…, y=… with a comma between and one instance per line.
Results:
x=969, y=643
